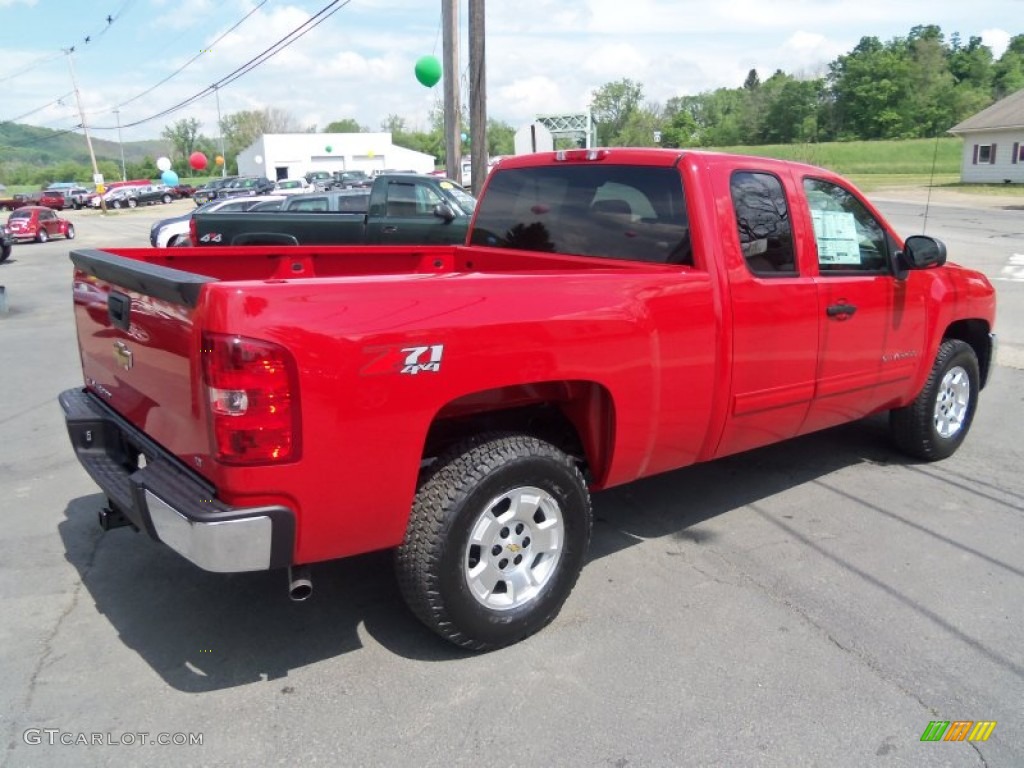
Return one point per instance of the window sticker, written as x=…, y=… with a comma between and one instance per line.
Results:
x=446, y=185
x=836, y=232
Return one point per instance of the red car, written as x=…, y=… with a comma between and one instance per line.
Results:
x=36, y=222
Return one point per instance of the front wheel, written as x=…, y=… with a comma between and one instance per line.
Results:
x=116, y=204
x=936, y=423
x=5, y=253
x=166, y=199
x=132, y=202
x=496, y=540
x=70, y=233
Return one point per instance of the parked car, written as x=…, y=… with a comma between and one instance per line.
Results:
x=52, y=200
x=246, y=186
x=39, y=223
x=6, y=243
x=292, y=187
x=174, y=231
x=74, y=197
x=211, y=190
x=185, y=190
x=320, y=180
x=351, y=180
x=154, y=193
x=113, y=198
x=13, y=202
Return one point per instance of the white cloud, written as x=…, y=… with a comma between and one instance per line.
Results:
x=996, y=39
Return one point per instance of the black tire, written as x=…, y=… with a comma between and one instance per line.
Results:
x=70, y=234
x=42, y=236
x=132, y=202
x=937, y=422
x=116, y=204
x=465, y=492
x=5, y=253
x=167, y=199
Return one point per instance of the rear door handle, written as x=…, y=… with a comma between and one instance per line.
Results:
x=389, y=229
x=840, y=310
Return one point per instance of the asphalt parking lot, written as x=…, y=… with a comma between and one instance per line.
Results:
x=814, y=603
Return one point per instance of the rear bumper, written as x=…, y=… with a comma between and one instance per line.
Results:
x=169, y=502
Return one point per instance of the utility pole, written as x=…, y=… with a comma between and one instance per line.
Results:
x=220, y=128
x=450, y=67
x=477, y=96
x=85, y=128
x=120, y=144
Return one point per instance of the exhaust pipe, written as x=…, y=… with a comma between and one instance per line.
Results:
x=300, y=583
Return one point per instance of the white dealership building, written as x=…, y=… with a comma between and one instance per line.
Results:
x=291, y=155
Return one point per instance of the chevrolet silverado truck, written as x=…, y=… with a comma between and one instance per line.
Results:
x=615, y=314
x=402, y=208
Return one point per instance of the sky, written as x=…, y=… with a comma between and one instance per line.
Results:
x=542, y=56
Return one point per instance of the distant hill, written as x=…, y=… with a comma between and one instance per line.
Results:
x=42, y=146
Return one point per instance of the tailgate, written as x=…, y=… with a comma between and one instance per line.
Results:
x=139, y=345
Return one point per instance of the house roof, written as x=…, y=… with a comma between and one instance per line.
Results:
x=1005, y=113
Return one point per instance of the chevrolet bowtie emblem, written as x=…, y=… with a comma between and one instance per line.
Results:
x=123, y=355
x=513, y=548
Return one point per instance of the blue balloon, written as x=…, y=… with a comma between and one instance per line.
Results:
x=170, y=178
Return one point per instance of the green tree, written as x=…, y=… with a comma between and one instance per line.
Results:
x=183, y=136
x=612, y=106
x=241, y=129
x=1008, y=72
x=501, y=138
x=346, y=125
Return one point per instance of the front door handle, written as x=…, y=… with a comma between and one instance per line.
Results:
x=841, y=310
x=389, y=230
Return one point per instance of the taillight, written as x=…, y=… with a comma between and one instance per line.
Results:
x=193, y=231
x=252, y=386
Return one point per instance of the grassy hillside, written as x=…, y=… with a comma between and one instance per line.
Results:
x=43, y=146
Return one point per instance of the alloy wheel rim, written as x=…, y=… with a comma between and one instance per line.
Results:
x=952, y=402
x=514, y=548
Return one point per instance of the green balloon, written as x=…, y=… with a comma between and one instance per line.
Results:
x=428, y=71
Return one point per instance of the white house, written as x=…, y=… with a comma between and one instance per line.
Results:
x=993, y=150
x=291, y=155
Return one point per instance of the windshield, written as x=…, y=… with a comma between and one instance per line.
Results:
x=465, y=200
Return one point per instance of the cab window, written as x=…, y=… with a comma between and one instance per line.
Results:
x=849, y=238
x=763, y=223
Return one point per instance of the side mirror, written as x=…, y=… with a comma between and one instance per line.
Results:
x=922, y=252
x=919, y=252
x=444, y=211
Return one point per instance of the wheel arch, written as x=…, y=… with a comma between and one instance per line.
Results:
x=975, y=333
x=578, y=417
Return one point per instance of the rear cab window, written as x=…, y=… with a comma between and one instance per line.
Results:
x=763, y=223
x=629, y=212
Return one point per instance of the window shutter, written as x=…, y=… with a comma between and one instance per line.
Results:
x=992, y=155
x=1016, y=150
x=975, y=161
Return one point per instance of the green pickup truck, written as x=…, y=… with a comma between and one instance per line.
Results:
x=408, y=208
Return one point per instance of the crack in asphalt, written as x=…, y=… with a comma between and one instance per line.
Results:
x=12, y=740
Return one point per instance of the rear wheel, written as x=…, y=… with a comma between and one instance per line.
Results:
x=116, y=204
x=42, y=236
x=496, y=540
x=936, y=423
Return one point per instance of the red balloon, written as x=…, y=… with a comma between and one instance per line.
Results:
x=197, y=160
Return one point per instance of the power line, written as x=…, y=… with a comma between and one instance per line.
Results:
x=300, y=31
x=58, y=100
x=180, y=69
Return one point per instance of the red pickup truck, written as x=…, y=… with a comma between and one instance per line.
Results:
x=616, y=313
